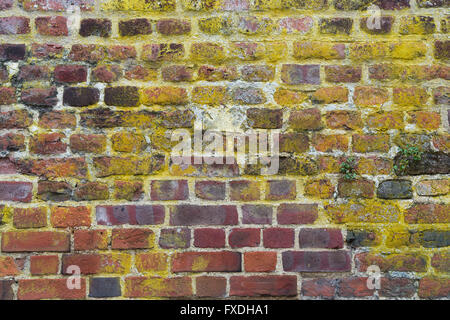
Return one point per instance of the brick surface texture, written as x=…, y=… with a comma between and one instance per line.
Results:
x=89, y=100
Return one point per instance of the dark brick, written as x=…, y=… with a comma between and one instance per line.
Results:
x=429, y=163
x=265, y=118
x=95, y=27
x=395, y=189
x=80, y=96
x=210, y=190
x=321, y=238
x=189, y=215
x=104, y=287
x=316, y=261
x=70, y=73
x=300, y=74
x=12, y=52
x=122, y=96
x=257, y=214
x=169, y=27
x=54, y=191
x=433, y=238
x=135, y=27
x=338, y=26
x=6, y=290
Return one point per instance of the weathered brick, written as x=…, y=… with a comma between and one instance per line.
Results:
x=172, y=27
x=54, y=191
x=255, y=286
x=35, y=241
x=189, y=215
x=207, y=286
x=52, y=26
x=80, y=96
x=64, y=217
x=136, y=287
x=210, y=190
x=130, y=214
x=239, y=238
x=95, y=27
x=321, y=238
x=104, y=287
x=220, y=261
x=43, y=265
x=257, y=214
x=30, y=217
x=178, y=238
x=134, y=27
x=16, y=191
x=35, y=289
x=132, y=239
x=300, y=74
x=316, y=261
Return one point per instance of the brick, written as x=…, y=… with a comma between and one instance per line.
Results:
x=177, y=73
x=90, y=143
x=175, y=238
x=296, y=142
x=256, y=214
x=188, y=215
x=169, y=190
x=48, y=143
x=118, y=52
x=151, y=262
x=80, y=96
x=57, y=120
x=8, y=267
x=434, y=287
x=109, y=166
x=281, y=189
x=295, y=25
x=359, y=188
x=12, y=142
x=70, y=73
x=32, y=73
x=128, y=190
x=432, y=187
x=417, y=25
x=300, y=74
x=40, y=97
x=395, y=189
x=397, y=287
x=320, y=288
x=122, y=96
x=7, y=95
x=255, y=286
x=57, y=5
x=261, y=261
x=329, y=143
x=64, y=217
x=173, y=27
x=16, y=191
x=257, y=73
x=392, y=262
x=164, y=96
x=87, y=52
x=265, y=118
x=134, y=27
x=210, y=190
x=370, y=143
x=212, y=73
x=316, y=261
x=321, y=238
x=52, y=26
x=207, y=51
x=162, y=52
x=342, y=74
x=129, y=214
x=35, y=289
x=132, y=239
x=104, y=287
x=35, y=241
x=30, y=217
x=297, y=213
x=336, y=26
x=90, y=240
x=306, y=119
x=278, y=238
x=359, y=212
x=136, y=287
x=427, y=213
x=213, y=287
x=128, y=142
x=410, y=96
x=319, y=188
x=384, y=27
x=13, y=52
x=44, y=265
x=46, y=50
x=244, y=190
x=54, y=191
x=441, y=49
x=239, y=238
x=354, y=288
x=209, y=238
x=220, y=261
x=95, y=27
x=248, y=95
x=6, y=290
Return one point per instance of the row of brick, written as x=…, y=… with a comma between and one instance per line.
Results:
x=224, y=5
x=325, y=261
x=130, y=96
x=67, y=74
x=201, y=215
x=239, y=190
x=218, y=53
x=248, y=25
x=216, y=287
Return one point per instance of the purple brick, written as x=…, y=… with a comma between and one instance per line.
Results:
x=129, y=214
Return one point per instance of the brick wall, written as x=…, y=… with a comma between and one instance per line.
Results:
x=88, y=103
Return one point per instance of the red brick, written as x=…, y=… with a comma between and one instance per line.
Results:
x=239, y=238
x=220, y=261
x=48, y=143
x=130, y=214
x=64, y=217
x=70, y=73
x=188, y=215
x=7, y=95
x=52, y=26
x=57, y=120
x=30, y=217
x=40, y=97
x=84, y=240
x=278, y=238
x=8, y=266
x=354, y=288
x=169, y=190
x=42, y=265
x=209, y=238
x=12, y=142
x=16, y=191
x=136, y=287
x=288, y=213
x=214, y=287
x=260, y=261
x=255, y=286
x=33, y=72
x=320, y=288
x=434, y=287
x=29, y=241
x=132, y=239
x=35, y=289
